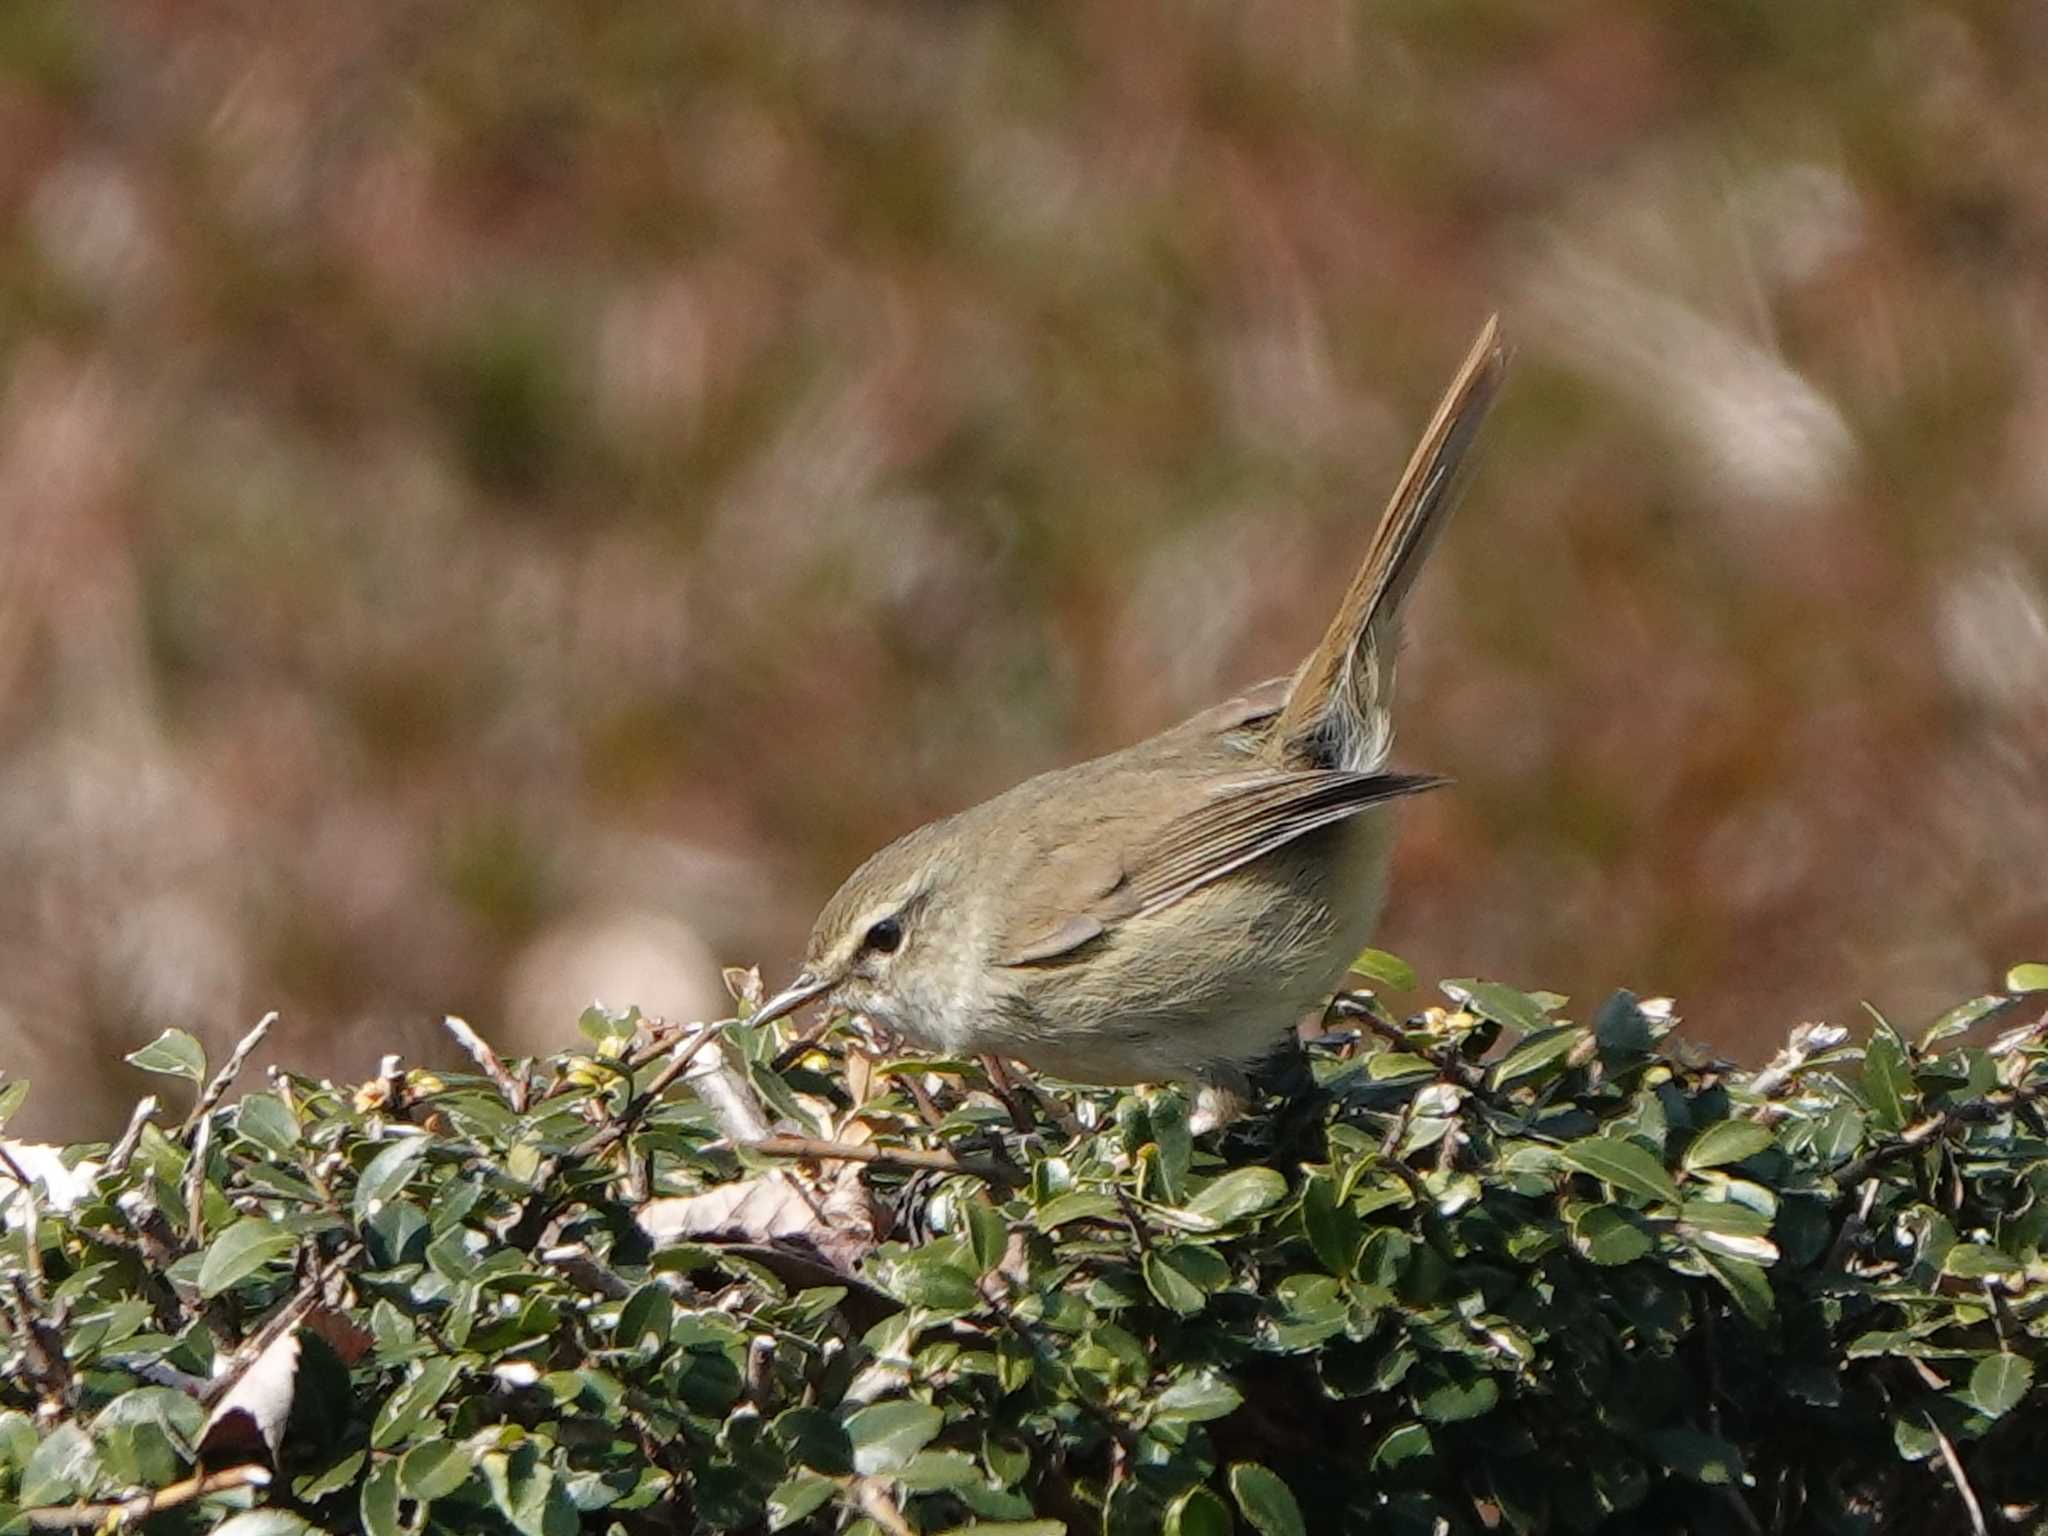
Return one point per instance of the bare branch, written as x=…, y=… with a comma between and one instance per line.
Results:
x=87, y=1517
x=224, y=1079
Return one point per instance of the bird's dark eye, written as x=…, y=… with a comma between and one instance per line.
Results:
x=886, y=937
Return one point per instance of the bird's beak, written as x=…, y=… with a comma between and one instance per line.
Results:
x=806, y=988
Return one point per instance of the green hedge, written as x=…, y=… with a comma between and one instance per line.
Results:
x=1499, y=1270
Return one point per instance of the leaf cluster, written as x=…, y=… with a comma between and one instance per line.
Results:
x=1487, y=1267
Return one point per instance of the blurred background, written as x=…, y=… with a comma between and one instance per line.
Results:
x=505, y=503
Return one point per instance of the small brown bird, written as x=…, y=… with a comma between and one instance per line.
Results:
x=1169, y=911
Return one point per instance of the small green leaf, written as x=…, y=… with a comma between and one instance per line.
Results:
x=1333, y=1231
x=887, y=1435
x=1746, y=1282
x=1611, y=1234
x=1171, y=1287
x=1195, y=1398
x=1502, y=1004
x=1402, y=1444
x=1887, y=1079
x=1978, y=1261
x=1965, y=1016
x=1537, y=1052
x=263, y=1118
x=11, y=1095
x=1075, y=1205
x=927, y=1280
x=646, y=1318
x=1266, y=1501
x=64, y=1466
x=1727, y=1141
x=2032, y=977
x=797, y=1497
x=171, y=1054
x=406, y=1410
x=1694, y=1454
x=1998, y=1383
x=1384, y=970
x=386, y=1175
x=378, y=1502
x=1624, y=1165
x=1239, y=1193
x=1199, y=1512
x=1446, y=1394
x=240, y=1251
x=988, y=1234
x=433, y=1469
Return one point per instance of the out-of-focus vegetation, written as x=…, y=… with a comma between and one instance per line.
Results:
x=506, y=502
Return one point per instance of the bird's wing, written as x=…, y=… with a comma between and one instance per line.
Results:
x=1238, y=824
x=1251, y=819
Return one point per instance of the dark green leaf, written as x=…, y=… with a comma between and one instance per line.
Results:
x=409, y=1408
x=1171, y=1287
x=1239, y=1193
x=1693, y=1454
x=1998, y=1383
x=1746, y=1282
x=1194, y=1398
x=988, y=1234
x=1727, y=1141
x=646, y=1318
x=386, y=1175
x=1622, y=1164
x=1198, y=1512
x=241, y=1251
x=1537, y=1052
x=797, y=1497
x=1267, y=1502
x=887, y=1435
x=1333, y=1231
x=1502, y=1004
x=263, y=1118
x=1887, y=1080
x=1611, y=1234
x=433, y=1469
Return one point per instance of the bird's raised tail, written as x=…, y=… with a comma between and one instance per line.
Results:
x=1336, y=715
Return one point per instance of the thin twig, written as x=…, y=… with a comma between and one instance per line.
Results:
x=1989, y=1107
x=1000, y=1085
x=280, y=1322
x=907, y=1159
x=224, y=1079
x=578, y=1264
x=86, y=1517
x=645, y=1100
x=31, y=1247
x=1955, y=1470
x=124, y=1149
x=488, y=1061
x=194, y=1190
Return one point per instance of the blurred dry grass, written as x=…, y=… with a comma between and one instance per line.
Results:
x=505, y=501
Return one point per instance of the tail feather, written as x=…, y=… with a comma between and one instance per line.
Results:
x=1336, y=711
